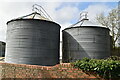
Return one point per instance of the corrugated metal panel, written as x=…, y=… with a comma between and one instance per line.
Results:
x=2, y=49
x=32, y=41
x=80, y=42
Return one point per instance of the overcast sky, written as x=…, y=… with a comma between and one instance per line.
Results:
x=63, y=13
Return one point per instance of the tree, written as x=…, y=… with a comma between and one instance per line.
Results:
x=111, y=21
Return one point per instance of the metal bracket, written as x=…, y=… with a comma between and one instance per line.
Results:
x=83, y=15
x=39, y=9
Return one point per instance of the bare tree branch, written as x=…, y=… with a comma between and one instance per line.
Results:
x=111, y=22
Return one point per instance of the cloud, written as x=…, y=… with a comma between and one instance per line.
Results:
x=60, y=13
x=66, y=14
x=8, y=11
x=96, y=9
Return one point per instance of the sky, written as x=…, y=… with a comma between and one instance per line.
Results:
x=62, y=12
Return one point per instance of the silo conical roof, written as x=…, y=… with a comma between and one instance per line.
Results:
x=86, y=23
x=34, y=15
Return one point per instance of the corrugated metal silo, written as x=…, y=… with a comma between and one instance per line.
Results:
x=2, y=49
x=33, y=41
x=85, y=39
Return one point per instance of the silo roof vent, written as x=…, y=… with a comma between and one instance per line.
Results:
x=84, y=21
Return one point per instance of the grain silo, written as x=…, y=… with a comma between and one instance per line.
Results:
x=2, y=49
x=33, y=41
x=85, y=39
